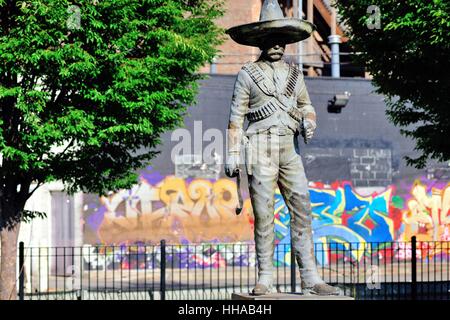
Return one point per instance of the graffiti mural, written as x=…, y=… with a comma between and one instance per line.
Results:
x=171, y=208
x=194, y=211
x=427, y=214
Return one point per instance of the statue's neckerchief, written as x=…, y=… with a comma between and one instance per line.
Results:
x=278, y=82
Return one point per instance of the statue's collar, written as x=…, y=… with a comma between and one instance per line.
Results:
x=273, y=65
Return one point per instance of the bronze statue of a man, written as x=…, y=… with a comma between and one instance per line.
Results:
x=273, y=97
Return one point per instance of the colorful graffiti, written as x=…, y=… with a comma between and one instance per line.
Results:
x=190, y=211
x=427, y=214
x=174, y=209
x=343, y=216
x=138, y=257
x=340, y=214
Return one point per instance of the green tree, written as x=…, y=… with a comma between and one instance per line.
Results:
x=85, y=86
x=405, y=45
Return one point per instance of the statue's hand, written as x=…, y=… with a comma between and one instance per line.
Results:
x=309, y=126
x=232, y=165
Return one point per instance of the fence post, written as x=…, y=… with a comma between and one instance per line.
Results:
x=293, y=278
x=413, y=268
x=21, y=271
x=163, y=270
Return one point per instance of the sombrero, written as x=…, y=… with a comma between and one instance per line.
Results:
x=272, y=26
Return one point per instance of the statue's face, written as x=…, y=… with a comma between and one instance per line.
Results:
x=273, y=52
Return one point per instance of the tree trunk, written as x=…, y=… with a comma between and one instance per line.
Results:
x=8, y=260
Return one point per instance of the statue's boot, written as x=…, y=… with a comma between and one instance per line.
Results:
x=260, y=290
x=304, y=252
x=321, y=289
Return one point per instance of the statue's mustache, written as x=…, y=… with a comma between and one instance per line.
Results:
x=276, y=52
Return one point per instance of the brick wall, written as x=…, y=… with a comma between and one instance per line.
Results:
x=233, y=55
x=364, y=167
x=371, y=167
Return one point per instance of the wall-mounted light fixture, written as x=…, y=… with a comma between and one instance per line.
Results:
x=338, y=102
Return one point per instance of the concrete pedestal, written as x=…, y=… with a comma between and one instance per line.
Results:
x=286, y=296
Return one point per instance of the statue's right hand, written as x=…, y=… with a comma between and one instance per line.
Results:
x=232, y=165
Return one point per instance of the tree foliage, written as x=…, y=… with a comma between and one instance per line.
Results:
x=408, y=56
x=86, y=85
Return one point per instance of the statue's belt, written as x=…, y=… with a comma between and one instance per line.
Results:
x=285, y=101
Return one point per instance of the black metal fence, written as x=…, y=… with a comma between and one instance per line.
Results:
x=384, y=270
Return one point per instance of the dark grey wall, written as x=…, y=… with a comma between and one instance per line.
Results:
x=358, y=144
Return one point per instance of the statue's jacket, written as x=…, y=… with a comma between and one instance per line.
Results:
x=270, y=95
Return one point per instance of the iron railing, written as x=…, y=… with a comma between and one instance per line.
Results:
x=378, y=270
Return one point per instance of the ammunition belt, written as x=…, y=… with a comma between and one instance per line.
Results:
x=274, y=104
x=270, y=108
x=258, y=78
x=262, y=112
x=295, y=113
x=292, y=82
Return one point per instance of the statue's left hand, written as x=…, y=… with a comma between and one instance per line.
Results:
x=309, y=127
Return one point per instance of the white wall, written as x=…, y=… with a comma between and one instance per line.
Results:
x=37, y=235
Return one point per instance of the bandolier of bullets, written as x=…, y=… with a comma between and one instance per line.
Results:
x=273, y=105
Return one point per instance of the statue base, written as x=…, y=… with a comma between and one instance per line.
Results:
x=286, y=296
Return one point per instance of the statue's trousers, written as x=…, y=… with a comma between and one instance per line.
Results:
x=273, y=160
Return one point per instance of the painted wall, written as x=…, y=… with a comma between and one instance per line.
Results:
x=193, y=211
x=61, y=227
